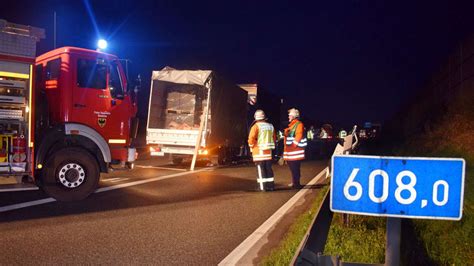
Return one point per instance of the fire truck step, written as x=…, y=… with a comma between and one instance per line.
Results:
x=18, y=187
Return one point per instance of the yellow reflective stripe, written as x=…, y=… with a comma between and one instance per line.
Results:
x=293, y=157
x=30, y=97
x=117, y=141
x=266, y=146
x=264, y=180
x=260, y=176
x=14, y=75
x=262, y=157
x=262, y=154
x=293, y=152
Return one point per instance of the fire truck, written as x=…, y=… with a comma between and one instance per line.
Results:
x=65, y=116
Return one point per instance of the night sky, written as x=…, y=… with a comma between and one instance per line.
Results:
x=341, y=62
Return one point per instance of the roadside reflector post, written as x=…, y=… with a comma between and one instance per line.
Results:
x=198, y=144
x=201, y=126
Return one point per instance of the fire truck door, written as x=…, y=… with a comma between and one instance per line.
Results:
x=98, y=99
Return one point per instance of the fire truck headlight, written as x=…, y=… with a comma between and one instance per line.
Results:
x=102, y=44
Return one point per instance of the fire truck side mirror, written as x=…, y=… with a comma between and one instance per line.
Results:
x=138, y=84
x=136, y=88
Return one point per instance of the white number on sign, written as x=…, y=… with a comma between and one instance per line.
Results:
x=351, y=183
x=445, y=192
x=410, y=187
x=401, y=187
x=384, y=176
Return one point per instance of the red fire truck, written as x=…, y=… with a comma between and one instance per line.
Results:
x=64, y=117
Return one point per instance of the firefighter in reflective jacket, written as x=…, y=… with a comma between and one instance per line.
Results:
x=295, y=143
x=261, y=140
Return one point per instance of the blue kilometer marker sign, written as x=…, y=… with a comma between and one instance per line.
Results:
x=405, y=187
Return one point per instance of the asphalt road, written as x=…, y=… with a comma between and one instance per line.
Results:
x=172, y=217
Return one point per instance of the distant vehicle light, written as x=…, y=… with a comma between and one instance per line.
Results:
x=155, y=149
x=102, y=44
x=203, y=152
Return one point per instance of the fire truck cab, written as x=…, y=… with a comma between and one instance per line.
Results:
x=64, y=117
x=84, y=116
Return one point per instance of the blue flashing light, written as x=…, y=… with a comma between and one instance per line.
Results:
x=102, y=44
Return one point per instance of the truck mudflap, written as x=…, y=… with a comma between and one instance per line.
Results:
x=132, y=154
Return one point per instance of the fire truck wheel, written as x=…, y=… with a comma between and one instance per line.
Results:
x=70, y=174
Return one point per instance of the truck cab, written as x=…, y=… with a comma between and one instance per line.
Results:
x=65, y=116
x=84, y=115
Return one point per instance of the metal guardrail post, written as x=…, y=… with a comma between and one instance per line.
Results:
x=310, y=249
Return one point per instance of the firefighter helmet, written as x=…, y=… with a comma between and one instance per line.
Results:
x=294, y=112
x=259, y=115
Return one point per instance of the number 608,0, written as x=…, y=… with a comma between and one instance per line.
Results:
x=410, y=187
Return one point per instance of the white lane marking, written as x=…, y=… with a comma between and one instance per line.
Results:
x=239, y=252
x=160, y=167
x=119, y=186
x=18, y=189
x=26, y=204
x=119, y=180
x=149, y=180
x=111, y=179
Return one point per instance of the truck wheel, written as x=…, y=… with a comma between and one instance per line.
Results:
x=130, y=165
x=221, y=159
x=70, y=174
x=177, y=160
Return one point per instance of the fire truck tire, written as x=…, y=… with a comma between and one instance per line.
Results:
x=70, y=174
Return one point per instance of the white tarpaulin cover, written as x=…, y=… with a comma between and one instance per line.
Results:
x=169, y=74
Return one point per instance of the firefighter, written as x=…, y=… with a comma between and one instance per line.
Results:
x=310, y=134
x=261, y=140
x=342, y=134
x=295, y=144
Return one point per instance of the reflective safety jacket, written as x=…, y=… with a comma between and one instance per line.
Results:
x=310, y=134
x=261, y=140
x=295, y=141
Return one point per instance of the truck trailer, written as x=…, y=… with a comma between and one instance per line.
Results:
x=195, y=113
x=65, y=116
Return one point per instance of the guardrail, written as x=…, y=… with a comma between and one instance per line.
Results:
x=311, y=248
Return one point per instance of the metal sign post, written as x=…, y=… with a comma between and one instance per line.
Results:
x=392, y=241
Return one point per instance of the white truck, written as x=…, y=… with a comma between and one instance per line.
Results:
x=194, y=113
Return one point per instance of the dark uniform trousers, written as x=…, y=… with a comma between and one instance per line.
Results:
x=264, y=173
x=295, y=172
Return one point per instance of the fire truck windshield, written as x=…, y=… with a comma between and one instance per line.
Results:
x=91, y=75
x=115, y=81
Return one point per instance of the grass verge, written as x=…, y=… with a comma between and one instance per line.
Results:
x=283, y=254
x=450, y=242
x=362, y=240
